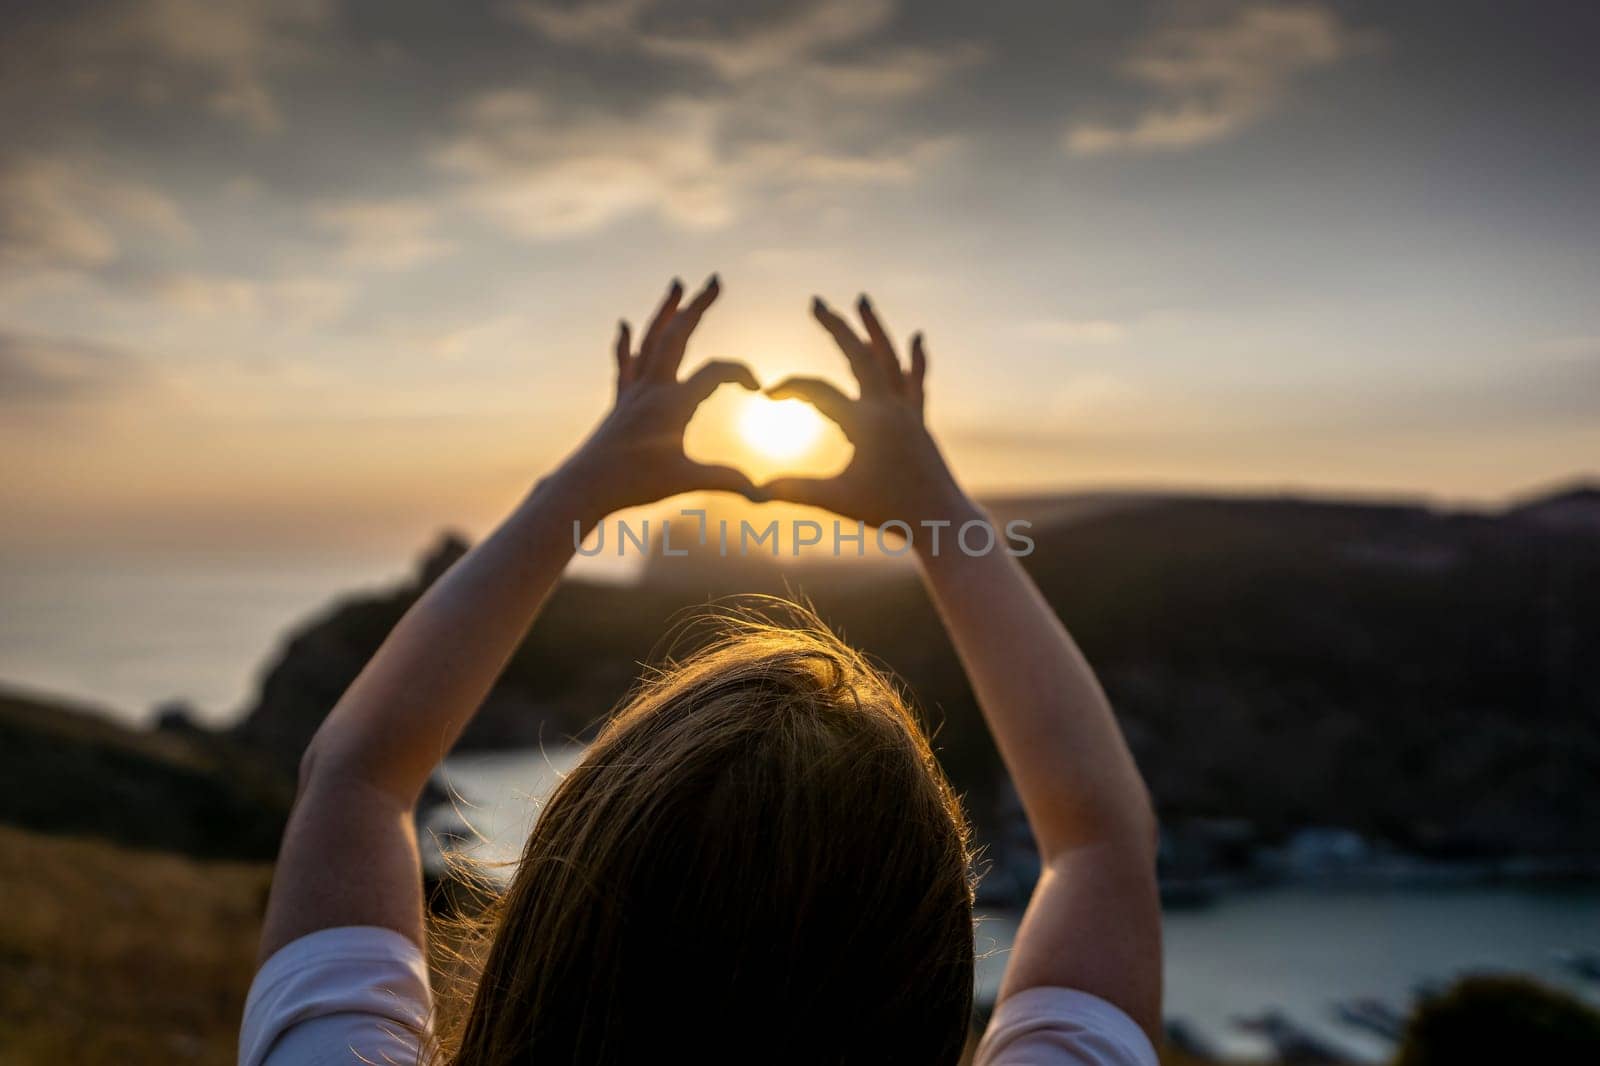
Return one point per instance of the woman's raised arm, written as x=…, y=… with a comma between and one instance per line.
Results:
x=349, y=854
x=1094, y=923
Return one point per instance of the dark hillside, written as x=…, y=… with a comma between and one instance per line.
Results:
x=1415, y=674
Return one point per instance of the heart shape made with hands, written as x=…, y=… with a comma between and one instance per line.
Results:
x=764, y=437
x=869, y=456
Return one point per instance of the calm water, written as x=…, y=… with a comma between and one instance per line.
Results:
x=127, y=634
x=1295, y=949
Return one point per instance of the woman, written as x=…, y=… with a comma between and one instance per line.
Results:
x=758, y=860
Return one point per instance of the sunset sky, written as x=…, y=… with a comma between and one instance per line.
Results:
x=319, y=273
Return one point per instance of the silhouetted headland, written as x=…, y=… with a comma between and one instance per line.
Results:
x=1413, y=674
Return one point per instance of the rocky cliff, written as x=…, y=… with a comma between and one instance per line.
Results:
x=1421, y=675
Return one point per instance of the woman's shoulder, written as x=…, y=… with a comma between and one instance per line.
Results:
x=337, y=994
x=1047, y=1026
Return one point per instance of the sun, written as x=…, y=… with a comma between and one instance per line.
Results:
x=780, y=429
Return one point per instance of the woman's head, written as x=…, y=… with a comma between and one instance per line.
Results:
x=758, y=859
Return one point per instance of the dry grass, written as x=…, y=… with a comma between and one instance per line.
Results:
x=111, y=955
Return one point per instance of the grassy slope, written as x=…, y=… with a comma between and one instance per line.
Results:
x=112, y=955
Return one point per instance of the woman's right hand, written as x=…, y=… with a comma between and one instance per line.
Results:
x=897, y=471
x=635, y=456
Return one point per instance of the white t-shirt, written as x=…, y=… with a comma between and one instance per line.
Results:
x=359, y=994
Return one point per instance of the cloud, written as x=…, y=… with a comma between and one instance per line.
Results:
x=37, y=371
x=1100, y=398
x=816, y=46
x=57, y=214
x=501, y=333
x=592, y=22
x=734, y=49
x=1071, y=331
x=798, y=104
x=232, y=44
x=219, y=52
x=1212, y=80
x=384, y=234
x=296, y=301
x=547, y=175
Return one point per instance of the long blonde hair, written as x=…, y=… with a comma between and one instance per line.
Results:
x=759, y=859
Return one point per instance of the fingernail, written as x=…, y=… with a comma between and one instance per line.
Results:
x=862, y=302
x=677, y=283
x=713, y=281
x=817, y=304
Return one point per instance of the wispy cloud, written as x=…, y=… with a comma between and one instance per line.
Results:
x=61, y=214
x=833, y=46
x=1099, y=399
x=1075, y=331
x=220, y=53
x=1211, y=80
x=595, y=22
x=549, y=175
x=45, y=371
x=384, y=234
x=806, y=99
x=736, y=50
x=292, y=301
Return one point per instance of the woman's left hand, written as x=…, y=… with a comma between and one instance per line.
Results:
x=635, y=456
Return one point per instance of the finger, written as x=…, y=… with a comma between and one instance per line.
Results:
x=919, y=371
x=659, y=323
x=710, y=476
x=624, y=353
x=882, y=348
x=819, y=394
x=675, y=338
x=703, y=382
x=862, y=362
x=823, y=492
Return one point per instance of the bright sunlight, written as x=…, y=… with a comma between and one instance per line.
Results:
x=780, y=429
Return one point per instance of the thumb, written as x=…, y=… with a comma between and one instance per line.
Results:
x=715, y=478
x=718, y=372
x=820, y=394
x=823, y=492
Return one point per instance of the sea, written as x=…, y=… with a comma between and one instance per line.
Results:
x=126, y=637
x=1300, y=951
